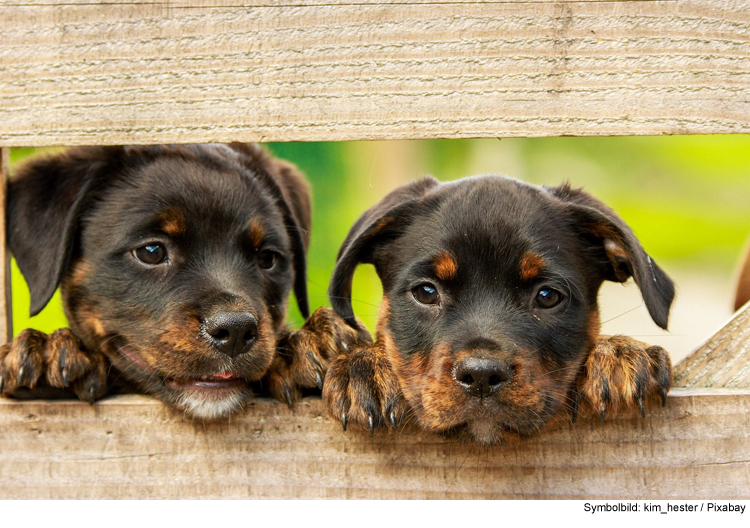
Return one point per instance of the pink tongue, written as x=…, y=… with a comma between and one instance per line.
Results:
x=225, y=375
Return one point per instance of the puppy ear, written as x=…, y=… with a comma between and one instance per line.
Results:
x=292, y=195
x=45, y=201
x=618, y=250
x=383, y=222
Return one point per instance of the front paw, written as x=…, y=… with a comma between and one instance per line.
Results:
x=623, y=374
x=303, y=356
x=361, y=388
x=59, y=360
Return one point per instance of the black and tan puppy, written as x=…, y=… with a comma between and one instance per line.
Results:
x=175, y=264
x=489, y=323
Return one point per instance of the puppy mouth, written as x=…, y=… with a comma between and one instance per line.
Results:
x=216, y=382
x=213, y=384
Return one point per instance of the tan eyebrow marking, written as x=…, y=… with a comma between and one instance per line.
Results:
x=531, y=265
x=173, y=222
x=256, y=233
x=445, y=266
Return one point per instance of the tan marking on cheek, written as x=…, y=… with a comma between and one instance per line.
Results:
x=90, y=320
x=256, y=233
x=445, y=266
x=531, y=265
x=98, y=327
x=173, y=222
x=384, y=317
x=81, y=271
x=427, y=384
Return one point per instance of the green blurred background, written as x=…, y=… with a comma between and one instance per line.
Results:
x=686, y=197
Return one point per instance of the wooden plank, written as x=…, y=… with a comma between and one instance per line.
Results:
x=6, y=298
x=723, y=360
x=133, y=447
x=155, y=72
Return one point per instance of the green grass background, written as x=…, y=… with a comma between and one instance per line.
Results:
x=686, y=197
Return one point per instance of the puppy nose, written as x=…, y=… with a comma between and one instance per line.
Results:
x=481, y=377
x=233, y=333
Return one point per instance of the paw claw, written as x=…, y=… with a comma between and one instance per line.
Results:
x=663, y=393
x=319, y=380
x=576, y=405
x=623, y=374
x=91, y=396
x=288, y=397
x=371, y=421
x=343, y=421
x=21, y=372
x=2, y=384
x=66, y=381
x=394, y=422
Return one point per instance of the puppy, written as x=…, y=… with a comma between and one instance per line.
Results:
x=489, y=324
x=175, y=264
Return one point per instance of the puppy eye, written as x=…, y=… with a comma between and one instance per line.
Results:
x=426, y=294
x=151, y=254
x=548, y=298
x=266, y=259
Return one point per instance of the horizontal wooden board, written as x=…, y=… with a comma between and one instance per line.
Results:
x=152, y=72
x=133, y=447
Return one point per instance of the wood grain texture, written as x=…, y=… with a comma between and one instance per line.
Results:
x=155, y=72
x=6, y=304
x=133, y=447
x=723, y=360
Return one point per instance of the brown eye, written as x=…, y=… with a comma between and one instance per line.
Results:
x=266, y=259
x=548, y=298
x=151, y=254
x=426, y=294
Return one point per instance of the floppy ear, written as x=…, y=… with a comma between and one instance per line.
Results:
x=383, y=222
x=45, y=201
x=292, y=195
x=622, y=256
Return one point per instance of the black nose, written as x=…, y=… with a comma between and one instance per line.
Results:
x=233, y=333
x=481, y=377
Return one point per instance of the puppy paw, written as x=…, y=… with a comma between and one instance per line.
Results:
x=303, y=355
x=58, y=360
x=361, y=388
x=623, y=374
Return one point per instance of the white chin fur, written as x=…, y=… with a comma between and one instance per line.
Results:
x=482, y=431
x=210, y=408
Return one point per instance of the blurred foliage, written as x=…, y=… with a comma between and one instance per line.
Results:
x=685, y=196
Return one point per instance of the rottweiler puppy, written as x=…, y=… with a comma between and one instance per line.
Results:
x=489, y=324
x=175, y=265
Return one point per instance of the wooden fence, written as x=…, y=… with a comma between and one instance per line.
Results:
x=94, y=72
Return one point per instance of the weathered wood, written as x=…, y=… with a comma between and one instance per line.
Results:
x=723, y=360
x=133, y=447
x=6, y=304
x=154, y=72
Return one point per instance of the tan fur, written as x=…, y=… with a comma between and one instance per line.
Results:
x=445, y=266
x=531, y=265
x=173, y=222
x=256, y=233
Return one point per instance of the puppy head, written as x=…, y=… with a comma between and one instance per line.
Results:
x=490, y=296
x=175, y=262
